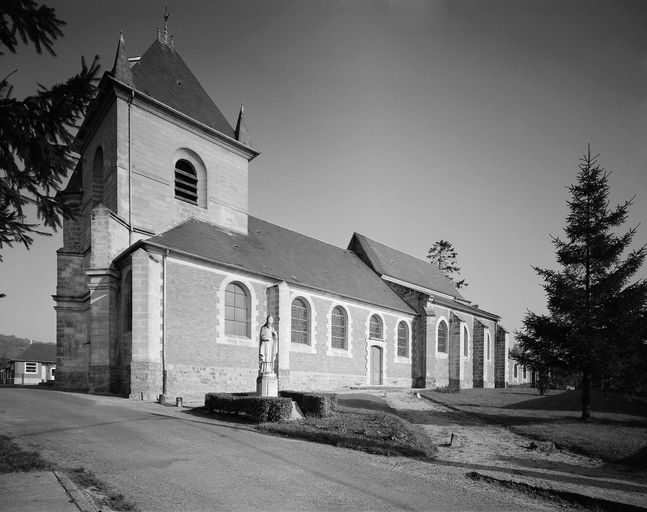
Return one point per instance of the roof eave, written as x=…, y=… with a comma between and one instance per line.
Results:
x=165, y=248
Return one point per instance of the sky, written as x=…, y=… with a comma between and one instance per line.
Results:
x=407, y=121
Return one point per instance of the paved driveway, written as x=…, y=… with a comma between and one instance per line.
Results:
x=184, y=462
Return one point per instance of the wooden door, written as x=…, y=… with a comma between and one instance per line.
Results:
x=376, y=365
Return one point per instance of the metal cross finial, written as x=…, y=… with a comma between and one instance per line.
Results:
x=164, y=37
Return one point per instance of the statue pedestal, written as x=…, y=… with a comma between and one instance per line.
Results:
x=267, y=385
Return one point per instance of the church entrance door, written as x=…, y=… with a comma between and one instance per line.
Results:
x=376, y=365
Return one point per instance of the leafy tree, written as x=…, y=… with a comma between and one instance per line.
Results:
x=443, y=255
x=596, y=317
x=36, y=133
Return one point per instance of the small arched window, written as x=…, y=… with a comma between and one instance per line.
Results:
x=442, y=336
x=127, y=301
x=375, y=329
x=237, y=310
x=97, y=177
x=300, y=322
x=186, y=182
x=514, y=371
x=403, y=339
x=338, y=328
x=466, y=342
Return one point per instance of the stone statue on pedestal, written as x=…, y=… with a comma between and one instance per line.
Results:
x=266, y=344
x=266, y=383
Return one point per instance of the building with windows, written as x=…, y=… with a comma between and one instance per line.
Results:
x=35, y=364
x=164, y=279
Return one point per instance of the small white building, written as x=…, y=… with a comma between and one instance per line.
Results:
x=35, y=364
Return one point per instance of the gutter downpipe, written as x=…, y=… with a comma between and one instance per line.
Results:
x=130, y=175
x=164, y=376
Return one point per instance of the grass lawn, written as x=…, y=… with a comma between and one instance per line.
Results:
x=369, y=431
x=617, y=433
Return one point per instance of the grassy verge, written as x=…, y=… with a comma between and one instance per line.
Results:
x=373, y=432
x=14, y=459
x=102, y=494
x=617, y=433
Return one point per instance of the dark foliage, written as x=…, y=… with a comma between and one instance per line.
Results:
x=320, y=405
x=443, y=255
x=260, y=409
x=36, y=133
x=596, y=321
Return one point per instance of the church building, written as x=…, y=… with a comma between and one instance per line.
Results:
x=164, y=279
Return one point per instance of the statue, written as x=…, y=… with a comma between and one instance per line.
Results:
x=266, y=344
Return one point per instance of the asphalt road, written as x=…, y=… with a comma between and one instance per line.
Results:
x=187, y=463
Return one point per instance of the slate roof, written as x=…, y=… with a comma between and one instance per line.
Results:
x=285, y=255
x=391, y=262
x=38, y=352
x=162, y=74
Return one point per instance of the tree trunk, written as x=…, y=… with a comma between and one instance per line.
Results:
x=586, y=397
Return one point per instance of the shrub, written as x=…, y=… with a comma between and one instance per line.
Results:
x=258, y=408
x=320, y=405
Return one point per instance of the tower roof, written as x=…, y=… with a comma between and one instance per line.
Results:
x=162, y=74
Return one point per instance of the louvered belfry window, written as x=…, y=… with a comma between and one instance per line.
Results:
x=186, y=182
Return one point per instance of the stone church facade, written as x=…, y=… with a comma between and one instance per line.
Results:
x=164, y=279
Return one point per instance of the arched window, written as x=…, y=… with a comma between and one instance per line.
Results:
x=515, y=371
x=375, y=330
x=237, y=317
x=300, y=322
x=466, y=342
x=403, y=339
x=338, y=329
x=487, y=336
x=97, y=177
x=442, y=336
x=186, y=182
x=524, y=373
x=127, y=301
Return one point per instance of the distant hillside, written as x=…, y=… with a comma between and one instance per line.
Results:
x=11, y=346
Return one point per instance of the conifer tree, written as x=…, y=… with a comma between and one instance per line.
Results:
x=36, y=133
x=595, y=324
x=443, y=255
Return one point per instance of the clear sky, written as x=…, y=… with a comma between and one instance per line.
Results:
x=407, y=121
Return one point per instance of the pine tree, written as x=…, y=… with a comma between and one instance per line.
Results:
x=443, y=255
x=36, y=133
x=596, y=317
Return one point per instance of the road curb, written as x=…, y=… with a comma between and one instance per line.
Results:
x=585, y=500
x=77, y=496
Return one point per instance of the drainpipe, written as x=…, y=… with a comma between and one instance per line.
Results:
x=130, y=176
x=164, y=379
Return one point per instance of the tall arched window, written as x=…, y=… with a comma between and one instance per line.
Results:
x=237, y=310
x=127, y=301
x=442, y=336
x=338, y=329
x=300, y=322
x=97, y=177
x=466, y=342
x=487, y=337
x=403, y=339
x=186, y=182
x=375, y=329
